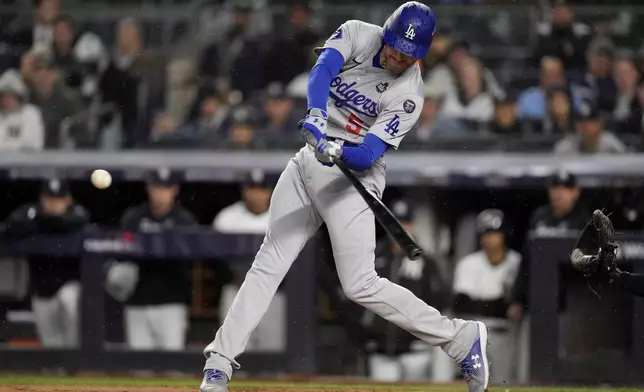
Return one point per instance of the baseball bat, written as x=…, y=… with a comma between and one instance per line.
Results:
x=383, y=215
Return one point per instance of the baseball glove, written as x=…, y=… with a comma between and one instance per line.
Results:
x=596, y=250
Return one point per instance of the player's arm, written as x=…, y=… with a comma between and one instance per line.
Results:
x=336, y=50
x=398, y=117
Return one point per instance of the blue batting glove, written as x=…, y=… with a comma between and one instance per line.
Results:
x=313, y=126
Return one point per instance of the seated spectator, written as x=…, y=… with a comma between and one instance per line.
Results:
x=278, y=117
x=443, y=78
x=471, y=101
x=57, y=102
x=505, y=121
x=164, y=133
x=627, y=112
x=560, y=116
x=93, y=60
x=30, y=62
x=242, y=136
x=483, y=283
x=426, y=124
x=563, y=38
x=211, y=126
x=598, y=83
x=590, y=137
x=21, y=123
x=63, y=50
x=532, y=102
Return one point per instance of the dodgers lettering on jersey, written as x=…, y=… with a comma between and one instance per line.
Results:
x=365, y=98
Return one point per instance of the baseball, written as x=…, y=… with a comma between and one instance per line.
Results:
x=101, y=179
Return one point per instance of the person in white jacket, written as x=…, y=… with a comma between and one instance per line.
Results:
x=21, y=123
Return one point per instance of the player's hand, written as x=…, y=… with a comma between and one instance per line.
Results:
x=313, y=126
x=328, y=148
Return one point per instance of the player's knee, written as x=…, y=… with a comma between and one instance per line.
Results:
x=361, y=290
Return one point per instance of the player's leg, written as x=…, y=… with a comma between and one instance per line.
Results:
x=292, y=221
x=138, y=333
x=351, y=227
x=46, y=318
x=69, y=296
x=169, y=324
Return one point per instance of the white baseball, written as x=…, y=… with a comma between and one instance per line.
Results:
x=101, y=179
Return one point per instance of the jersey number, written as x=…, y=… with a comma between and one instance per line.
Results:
x=355, y=125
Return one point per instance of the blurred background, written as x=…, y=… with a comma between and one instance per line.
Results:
x=533, y=118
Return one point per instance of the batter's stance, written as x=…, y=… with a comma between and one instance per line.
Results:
x=364, y=94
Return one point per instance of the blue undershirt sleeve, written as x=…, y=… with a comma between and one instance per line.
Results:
x=326, y=68
x=362, y=157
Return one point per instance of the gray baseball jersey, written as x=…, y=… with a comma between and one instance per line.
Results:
x=365, y=98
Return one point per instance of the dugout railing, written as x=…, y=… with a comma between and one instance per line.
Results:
x=97, y=247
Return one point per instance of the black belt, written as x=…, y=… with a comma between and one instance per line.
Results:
x=344, y=142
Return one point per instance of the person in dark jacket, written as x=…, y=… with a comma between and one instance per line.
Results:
x=155, y=292
x=55, y=285
x=396, y=354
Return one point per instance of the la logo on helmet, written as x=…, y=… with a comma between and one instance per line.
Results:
x=410, y=33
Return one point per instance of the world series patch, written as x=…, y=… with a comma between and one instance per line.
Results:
x=409, y=106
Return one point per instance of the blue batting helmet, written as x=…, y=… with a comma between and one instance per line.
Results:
x=410, y=29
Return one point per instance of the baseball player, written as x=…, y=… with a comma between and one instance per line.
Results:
x=595, y=254
x=364, y=94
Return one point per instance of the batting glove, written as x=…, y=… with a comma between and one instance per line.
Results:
x=328, y=148
x=313, y=126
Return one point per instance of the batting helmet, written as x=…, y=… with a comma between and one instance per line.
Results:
x=491, y=220
x=410, y=29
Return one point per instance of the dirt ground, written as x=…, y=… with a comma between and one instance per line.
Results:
x=155, y=389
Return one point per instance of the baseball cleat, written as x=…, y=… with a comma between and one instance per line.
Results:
x=475, y=367
x=214, y=381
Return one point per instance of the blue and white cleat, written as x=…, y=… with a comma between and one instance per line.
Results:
x=475, y=367
x=214, y=381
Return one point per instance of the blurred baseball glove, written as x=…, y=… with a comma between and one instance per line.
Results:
x=596, y=250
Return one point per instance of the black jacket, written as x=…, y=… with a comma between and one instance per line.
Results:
x=162, y=281
x=48, y=273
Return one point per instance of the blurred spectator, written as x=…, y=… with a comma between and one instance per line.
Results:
x=443, y=77
x=483, y=284
x=21, y=123
x=288, y=55
x=396, y=355
x=471, y=101
x=426, y=124
x=591, y=137
x=242, y=136
x=532, y=102
x=627, y=112
x=598, y=81
x=560, y=116
x=155, y=293
x=437, y=54
x=134, y=81
x=250, y=216
x=54, y=280
x=57, y=102
x=63, y=50
x=93, y=60
x=563, y=38
x=39, y=31
x=505, y=121
x=211, y=126
x=278, y=117
x=164, y=132
x=30, y=62
x=236, y=56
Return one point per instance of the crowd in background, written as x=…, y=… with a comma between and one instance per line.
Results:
x=63, y=86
